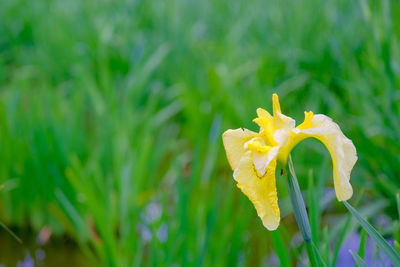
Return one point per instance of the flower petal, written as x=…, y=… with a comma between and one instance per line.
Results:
x=262, y=154
x=342, y=150
x=262, y=160
x=262, y=113
x=266, y=123
x=260, y=190
x=275, y=104
x=281, y=121
x=234, y=141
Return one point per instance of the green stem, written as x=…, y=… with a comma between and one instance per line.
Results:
x=311, y=254
x=300, y=212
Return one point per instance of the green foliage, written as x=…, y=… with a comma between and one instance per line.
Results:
x=300, y=213
x=111, y=115
x=393, y=256
x=359, y=261
x=363, y=242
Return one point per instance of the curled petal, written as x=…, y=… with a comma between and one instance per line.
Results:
x=262, y=161
x=260, y=190
x=234, y=141
x=341, y=148
x=262, y=154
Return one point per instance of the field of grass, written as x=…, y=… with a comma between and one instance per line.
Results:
x=111, y=115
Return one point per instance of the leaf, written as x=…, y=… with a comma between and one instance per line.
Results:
x=299, y=208
x=396, y=234
x=379, y=240
x=280, y=247
x=318, y=254
x=344, y=231
x=360, y=262
x=313, y=208
x=396, y=245
x=10, y=232
x=398, y=203
x=363, y=241
x=300, y=213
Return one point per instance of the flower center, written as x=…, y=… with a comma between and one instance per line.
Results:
x=257, y=145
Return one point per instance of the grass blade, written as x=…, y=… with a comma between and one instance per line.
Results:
x=313, y=208
x=280, y=248
x=299, y=208
x=318, y=254
x=360, y=262
x=379, y=240
x=344, y=231
x=363, y=242
x=397, y=245
x=396, y=236
x=300, y=213
x=398, y=203
x=10, y=232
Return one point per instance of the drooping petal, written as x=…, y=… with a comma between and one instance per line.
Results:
x=234, y=141
x=260, y=190
x=342, y=150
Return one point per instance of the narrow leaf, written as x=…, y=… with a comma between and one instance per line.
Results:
x=396, y=236
x=379, y=240
x=313, y=208
x=396, y=245
x=280, y=248
x=300, y=213
x=344, y=231
x=363, y=241
x=318, y=254
x=398, y=203
x=10, y=232
x=360, y=262
x=299, y=208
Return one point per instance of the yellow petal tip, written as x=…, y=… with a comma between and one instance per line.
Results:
x=275, y=104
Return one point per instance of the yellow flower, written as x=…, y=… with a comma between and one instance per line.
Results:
x=254, y=156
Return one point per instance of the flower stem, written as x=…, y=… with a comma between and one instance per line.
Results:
x=300, y=212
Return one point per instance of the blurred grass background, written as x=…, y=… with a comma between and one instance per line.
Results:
x=111, y=115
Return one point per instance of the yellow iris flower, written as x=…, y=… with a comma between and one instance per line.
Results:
x=254, y=156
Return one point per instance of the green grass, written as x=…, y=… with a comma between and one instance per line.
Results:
x=107, y=107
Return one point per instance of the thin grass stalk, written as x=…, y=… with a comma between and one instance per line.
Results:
x=10, y=232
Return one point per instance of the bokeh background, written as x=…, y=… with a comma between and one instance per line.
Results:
x=111, y=115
